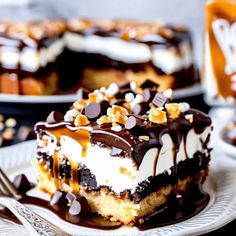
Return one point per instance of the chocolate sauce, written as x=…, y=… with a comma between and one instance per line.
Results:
x=179, y=207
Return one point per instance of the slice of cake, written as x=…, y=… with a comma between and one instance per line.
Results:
x=118, y=51
x=28, y=52
x=52, y=57
x=124, y=149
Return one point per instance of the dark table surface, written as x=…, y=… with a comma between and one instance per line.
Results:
x=29, y=114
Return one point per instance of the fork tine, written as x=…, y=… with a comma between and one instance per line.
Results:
x=4, y=189
x=7, y=185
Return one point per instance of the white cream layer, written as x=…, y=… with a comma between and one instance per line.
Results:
x=30, y=59
x=121, y=173
x=167, y=59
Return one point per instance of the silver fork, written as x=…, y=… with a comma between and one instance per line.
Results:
x=33, y=223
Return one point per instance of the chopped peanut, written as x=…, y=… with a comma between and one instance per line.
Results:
x=118, y=114
x=157, y=116
x=92, y=97
x=79, y=104
x=104, y=119
x=144, y=137
x=81, y=120
x=115, y=109
x=173, y=110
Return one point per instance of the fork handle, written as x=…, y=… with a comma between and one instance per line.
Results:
x=34, y=223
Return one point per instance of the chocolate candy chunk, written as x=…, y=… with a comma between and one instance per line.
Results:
x=125, y=91
x=75, y=208
x=70, y=197
x=82, y=93
x=121, y=93
x=92, y=110
x=79, y=206
x=21, y=183
x=55, y=117
x=59, y=197
x=116, y=151
x=149, y=94
x=133, y=122
x=149, y=84
x=141, y=108
x=104, y=105
x=160, y=100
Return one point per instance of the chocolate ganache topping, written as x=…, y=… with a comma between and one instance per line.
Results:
x=119, y=128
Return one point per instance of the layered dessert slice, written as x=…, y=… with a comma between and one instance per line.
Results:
x=28, y=52
x=125, y=149
x=48, y=57
x=118, y=51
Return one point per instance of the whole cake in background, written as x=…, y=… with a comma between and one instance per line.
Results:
x=125, y=149
x=51, y=57
x=220, y=51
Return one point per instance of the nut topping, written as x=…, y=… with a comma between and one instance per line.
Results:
x=157, y=116
x=144, y=138
x=173, y=110
x=81, y=120
x=104, y=119
x=118, y=114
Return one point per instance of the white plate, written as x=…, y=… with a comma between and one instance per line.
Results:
x=221, y=209
x=179, y=93
x=221, y=117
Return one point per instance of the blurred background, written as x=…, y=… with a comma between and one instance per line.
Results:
x=183, y=12
x=189, y=13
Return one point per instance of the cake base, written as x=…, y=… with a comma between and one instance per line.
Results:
x=109, y=205
x=10, y=83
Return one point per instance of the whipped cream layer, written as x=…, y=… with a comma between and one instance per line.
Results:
x=169, y=60
x=121, y=173
x=30, y=59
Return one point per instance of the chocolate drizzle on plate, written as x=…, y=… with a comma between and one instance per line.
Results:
x=178, y=208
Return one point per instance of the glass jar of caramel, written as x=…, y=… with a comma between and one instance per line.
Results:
x=219, y=73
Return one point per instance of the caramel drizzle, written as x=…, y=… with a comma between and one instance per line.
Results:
x=82, y=137
x=74, y=177
x=56, y=169
x=219, y=11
